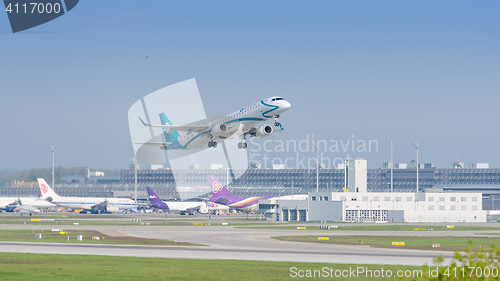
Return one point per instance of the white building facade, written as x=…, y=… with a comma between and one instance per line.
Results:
x=416, y=207
x=378, y=207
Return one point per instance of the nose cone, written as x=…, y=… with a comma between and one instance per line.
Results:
x=285, y=105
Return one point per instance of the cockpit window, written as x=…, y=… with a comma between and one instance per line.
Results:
x=279, y=99
x=273, y=99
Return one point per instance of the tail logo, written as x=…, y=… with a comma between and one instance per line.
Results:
x=153, y=196
x=216, y=187
x=44, y=188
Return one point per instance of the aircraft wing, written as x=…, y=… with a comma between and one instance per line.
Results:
x=193, y=128
x=160, y=144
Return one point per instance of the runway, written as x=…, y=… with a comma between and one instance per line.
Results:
x=228, y=242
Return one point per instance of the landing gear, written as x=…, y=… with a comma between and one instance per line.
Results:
x=242, y=145
x=276, y=123
x=212, y=144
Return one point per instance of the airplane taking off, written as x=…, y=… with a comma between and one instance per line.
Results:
x=221, y=195
x=239, y=123
x=91, y=204
x=156, y=202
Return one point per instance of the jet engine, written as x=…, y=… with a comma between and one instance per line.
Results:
x=263, y=131
x=223, y=130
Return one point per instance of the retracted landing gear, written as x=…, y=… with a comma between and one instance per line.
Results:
x=242, y=145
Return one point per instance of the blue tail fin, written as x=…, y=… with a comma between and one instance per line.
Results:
x=164, y=119
x=169, y=136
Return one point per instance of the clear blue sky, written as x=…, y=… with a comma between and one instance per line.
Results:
x=425, y=71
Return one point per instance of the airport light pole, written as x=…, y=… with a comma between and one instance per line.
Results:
x=53, y=167
x=135, y=178
x=389, y=141
x=416, y=146
x=317, y=166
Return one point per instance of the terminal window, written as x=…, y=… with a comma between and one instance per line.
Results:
x=431, y=208
x=387, y=198
x=474, y=199
x=441, y=199
x=326, y=198
x=453, y=208
x=474, y=208
x=365, y=198
x=398, y=198
x=431, y=199
x=464, y=199
x=313, y=198
x=409, y=199
x=464, y=208
x=375, y=198
x=441, y=208
x=453, y=199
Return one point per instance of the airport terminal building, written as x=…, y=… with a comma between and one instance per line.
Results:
x=356, y=204
x=378, y=207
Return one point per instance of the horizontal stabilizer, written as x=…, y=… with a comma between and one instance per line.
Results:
x=160, y=144
x=195, y=128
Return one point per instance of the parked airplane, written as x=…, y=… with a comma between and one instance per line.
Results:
x=204, y=206
x=91, y=204
x=239, y=123
x=26, y=209
x=7, y=203
x=221, y=195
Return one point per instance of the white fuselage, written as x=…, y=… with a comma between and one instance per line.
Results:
x=244, y=119
x=254, y=208
x=86, y=203
x=183, y=206
x=31, y=201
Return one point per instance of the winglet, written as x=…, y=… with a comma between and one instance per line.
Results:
x=143, y=123
x=281, y=127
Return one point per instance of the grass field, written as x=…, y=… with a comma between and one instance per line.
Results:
x=15, y=266
x=385, y=227
x=448, y=243
x=56, y=237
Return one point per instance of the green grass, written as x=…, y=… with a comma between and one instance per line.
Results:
x=56, y=237
x=448, y=243
x=14, y=266
x=385, y=227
